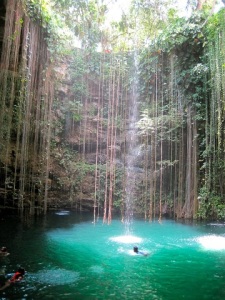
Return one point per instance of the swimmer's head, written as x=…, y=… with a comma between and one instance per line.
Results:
x=3, y=249
x=136, y=249
x=21, y=270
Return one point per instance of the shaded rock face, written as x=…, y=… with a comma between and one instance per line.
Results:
x=81, y=139
x=26, y=91
x=88, y=138
x=88, y=142
x=84, y=154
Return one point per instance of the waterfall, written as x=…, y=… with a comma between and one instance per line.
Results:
x=131, y=148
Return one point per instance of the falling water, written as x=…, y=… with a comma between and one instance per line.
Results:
x=131, y=142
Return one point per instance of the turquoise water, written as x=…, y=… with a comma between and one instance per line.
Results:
x=66, y=256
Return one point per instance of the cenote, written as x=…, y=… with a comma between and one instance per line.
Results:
x=67, y=256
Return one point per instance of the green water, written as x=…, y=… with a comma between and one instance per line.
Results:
x=66, y=256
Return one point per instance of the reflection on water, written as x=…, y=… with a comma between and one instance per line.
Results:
x=217, y=224
x=55, y=277
x=62, y=213
x=66, y=256
x=97, y=269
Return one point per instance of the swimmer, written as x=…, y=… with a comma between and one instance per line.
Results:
x=17, y=276
x=139, y=252
x=4, y=252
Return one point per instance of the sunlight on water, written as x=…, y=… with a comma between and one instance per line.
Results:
x=126, y=239
x=212, y=242
x=97, y=269
x=56, y=277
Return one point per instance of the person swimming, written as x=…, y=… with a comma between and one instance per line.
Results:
x=139, y=252
x=17, y=276
x=4, y=252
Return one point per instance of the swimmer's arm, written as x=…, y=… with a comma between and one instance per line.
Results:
x=4, y=254
x=5, y=285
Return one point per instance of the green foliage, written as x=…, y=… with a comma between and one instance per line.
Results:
x=149, y=124
x=146, y=125
x=211, y=206
x=58, y=35
x=214, y=25
x=84, y=18
x=74, y=108
x=74, y=169
x=185, y=44
x=149, y=19
x=84, y=64
x=118, y=195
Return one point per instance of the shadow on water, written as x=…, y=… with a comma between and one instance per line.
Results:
x=67, y=256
